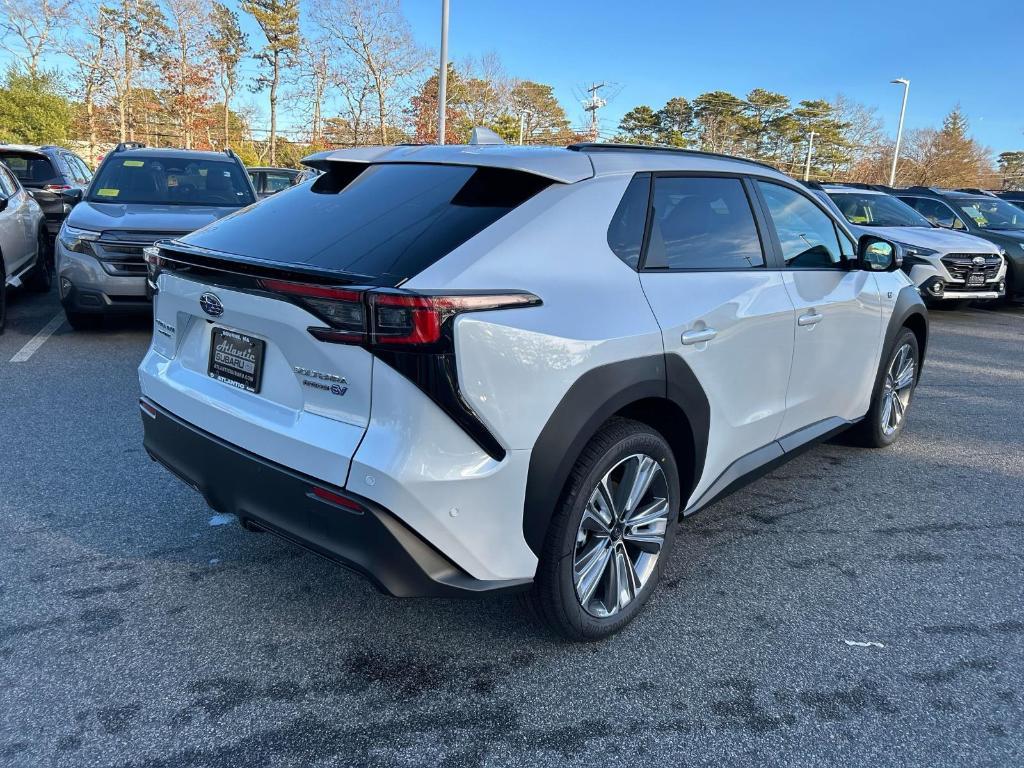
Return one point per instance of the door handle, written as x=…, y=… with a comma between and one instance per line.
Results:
x=811, y=318
x=696, y=337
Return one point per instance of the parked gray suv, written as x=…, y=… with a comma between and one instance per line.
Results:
x=138, y=196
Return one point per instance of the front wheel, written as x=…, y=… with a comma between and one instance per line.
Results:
x=611, y=534
x=891, y=400
x=83, y=321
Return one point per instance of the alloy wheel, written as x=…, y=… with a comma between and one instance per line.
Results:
x=621, y=535
x=899, y=385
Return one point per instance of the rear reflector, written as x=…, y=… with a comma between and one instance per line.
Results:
x=337, y=499
x=147, y=408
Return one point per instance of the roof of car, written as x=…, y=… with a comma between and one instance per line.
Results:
x=272, y=168
x=562, y=164
x=25, y=148
x=843, y=188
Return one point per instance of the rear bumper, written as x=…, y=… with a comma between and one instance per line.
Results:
x=370, y=540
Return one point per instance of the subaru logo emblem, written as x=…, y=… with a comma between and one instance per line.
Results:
x=979, y=260
x=211, y=304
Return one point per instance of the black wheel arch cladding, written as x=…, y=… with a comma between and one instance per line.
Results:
x=594, y=398
x=910, y=311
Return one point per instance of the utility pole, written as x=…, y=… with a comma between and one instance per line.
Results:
x=442, y=75
x=591, y=105
x=899, y=132
x=810, y=152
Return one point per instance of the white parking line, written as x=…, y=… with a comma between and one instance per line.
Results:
x=37, y=341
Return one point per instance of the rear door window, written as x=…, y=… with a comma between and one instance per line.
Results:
x=383, y=223
x=702, y=223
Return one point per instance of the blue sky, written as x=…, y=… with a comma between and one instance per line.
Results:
x=951, y=50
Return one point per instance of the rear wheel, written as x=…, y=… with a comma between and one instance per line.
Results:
x=40, y=279
x=611, y=534
x=891, y=400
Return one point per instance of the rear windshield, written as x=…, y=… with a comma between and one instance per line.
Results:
x=31, y=169
x=171, y=181
x=384, y=223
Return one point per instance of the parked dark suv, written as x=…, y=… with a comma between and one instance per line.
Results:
x=1012, y=196
x=46, y=172
x=978, y=213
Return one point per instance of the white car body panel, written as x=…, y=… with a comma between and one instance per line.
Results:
x=305, y=428
x=745, y=368
x=836, y=359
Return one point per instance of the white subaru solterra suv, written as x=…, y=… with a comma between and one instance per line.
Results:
x=474, y=369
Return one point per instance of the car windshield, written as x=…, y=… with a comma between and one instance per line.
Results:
x=157, y=180
x=992, y=213
x=877, y=210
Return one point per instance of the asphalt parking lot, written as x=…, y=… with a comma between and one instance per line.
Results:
x=852, y=608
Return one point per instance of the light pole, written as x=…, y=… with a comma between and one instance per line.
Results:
x=899, y=131
x=442, y=75
x=810, y=151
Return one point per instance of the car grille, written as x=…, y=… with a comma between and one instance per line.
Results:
x=121, y=252
x=960, y=265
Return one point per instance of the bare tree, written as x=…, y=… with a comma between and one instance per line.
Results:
x=279, y=20
x=187, y=62
x=313, y=75
x=29, y=28
x=356, y=89
x=136, y=29
x=377, y=35
x=229, y=44
x=88, y=53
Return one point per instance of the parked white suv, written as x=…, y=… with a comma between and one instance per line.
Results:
x=949, y=268
x=470, y=369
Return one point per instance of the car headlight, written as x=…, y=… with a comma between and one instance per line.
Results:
x=77, y=240
x=916, y=253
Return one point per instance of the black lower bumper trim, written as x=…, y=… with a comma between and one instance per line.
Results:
x=269, y=496
x=98, y=303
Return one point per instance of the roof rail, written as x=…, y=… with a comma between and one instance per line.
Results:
x=976, y=191
x=858, y=185
x=590, y=146
x=122, y=146
x=230, y=153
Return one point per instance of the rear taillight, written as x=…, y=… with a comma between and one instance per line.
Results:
x=391, y=318
x=55, y=187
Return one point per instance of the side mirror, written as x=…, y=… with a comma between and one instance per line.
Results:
x=877, y=255
x=71, y=196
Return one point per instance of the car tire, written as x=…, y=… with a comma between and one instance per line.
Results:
x=598, y=540
x=40, y=279
x=83, y=321
x=886, y=418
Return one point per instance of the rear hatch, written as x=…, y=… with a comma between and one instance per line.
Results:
x=253, y=313
x=40, y=179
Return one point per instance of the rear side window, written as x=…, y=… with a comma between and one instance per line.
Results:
x=31, y=169
x=383, y=223
x=935, y=211
x=626, y=231
x=702, y=223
